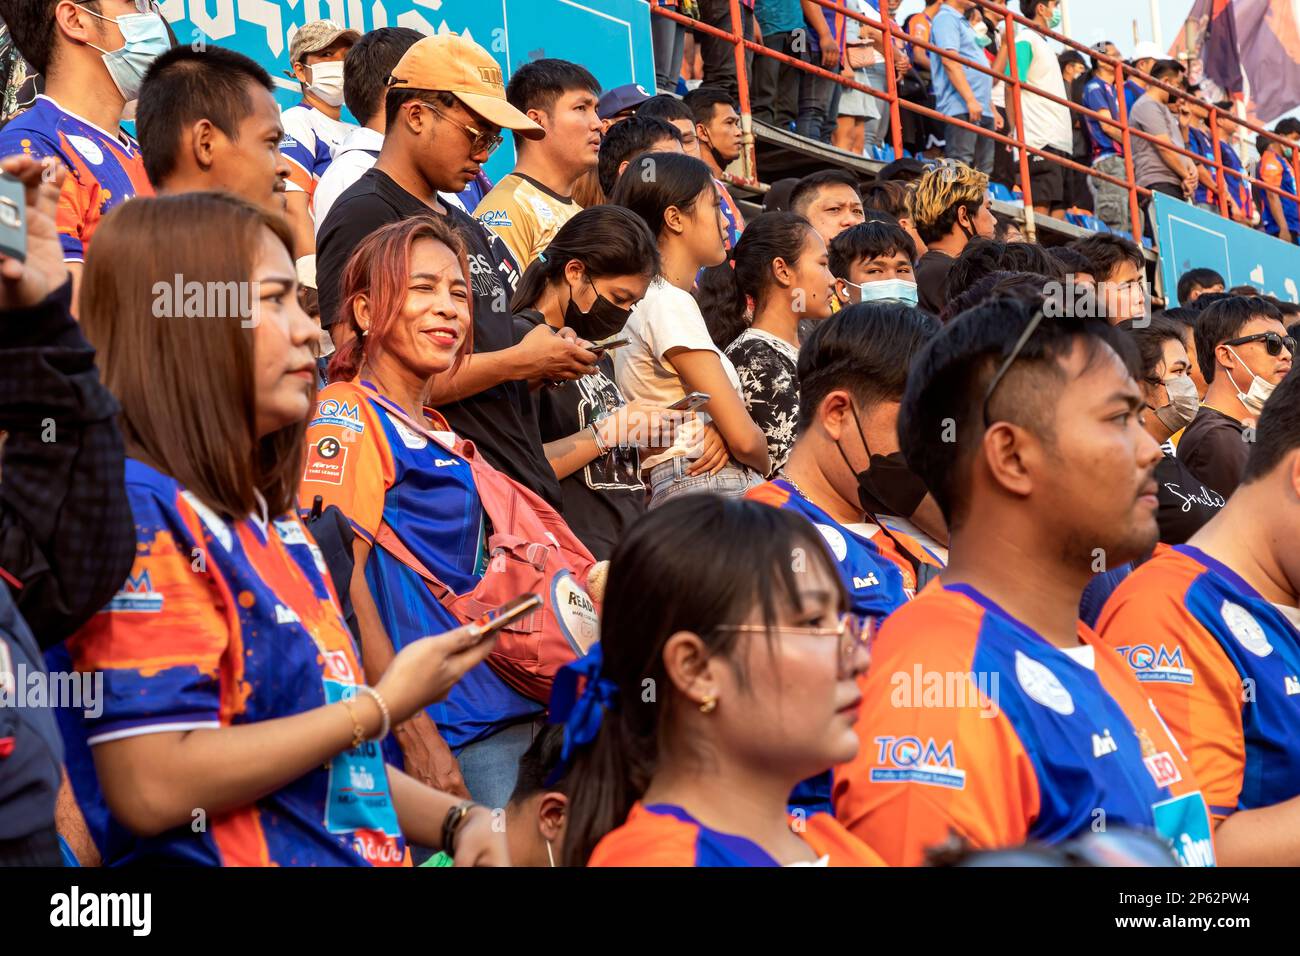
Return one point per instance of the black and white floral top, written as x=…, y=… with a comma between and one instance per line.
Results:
x=768, y=368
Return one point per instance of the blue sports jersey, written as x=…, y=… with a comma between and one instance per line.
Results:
x=380, y=472
x=103, y=170
x=1101, y=96
x=1223, y=665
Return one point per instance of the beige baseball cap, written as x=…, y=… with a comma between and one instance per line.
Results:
x=461, y=67
x=315, y=36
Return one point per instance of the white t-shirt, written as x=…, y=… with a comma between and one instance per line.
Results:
x=667, y=318
x=1046, y=123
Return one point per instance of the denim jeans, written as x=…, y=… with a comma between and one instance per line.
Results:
x=719, y=56
x=877, y=131
x=669, y=40
x=814, y=106
x=669, y=479
x=773, y=85
x=968, y=147
x=490, y=766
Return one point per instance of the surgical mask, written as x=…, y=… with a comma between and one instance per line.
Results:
x=1183, y=403
x=1055, y=20
x=1259, y=391
x=145, y=39
x=601, y=321
x=887, y=290
x=327, y=82
x=888, y=485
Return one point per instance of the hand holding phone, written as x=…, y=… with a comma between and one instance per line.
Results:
x=494, y=620
x=31, y=256
x=691, y=402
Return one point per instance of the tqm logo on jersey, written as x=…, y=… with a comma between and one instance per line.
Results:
x=137, y=596
x=496, y=219
x=1157, y=665
x=910, y=760
x=333, y=412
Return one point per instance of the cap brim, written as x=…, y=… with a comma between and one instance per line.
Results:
x=498, y=112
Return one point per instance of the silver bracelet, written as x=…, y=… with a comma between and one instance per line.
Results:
x=383, y=710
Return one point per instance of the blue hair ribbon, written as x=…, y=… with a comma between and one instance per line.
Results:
x=580, y=715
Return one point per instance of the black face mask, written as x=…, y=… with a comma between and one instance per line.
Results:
x=888, y=486
x=601, y=321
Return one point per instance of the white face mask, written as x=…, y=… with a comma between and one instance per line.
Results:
x=885, y=290
x=1183, y=403
x=1260, y=389
x=327, y=81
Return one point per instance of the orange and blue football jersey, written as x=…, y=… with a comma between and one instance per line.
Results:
x=221, y=624
x=665, y=835
x=731, y=212
x=103, y=170
x=878, y=581
x=1223, y=665
x=974, y=724
x=381, y=473
x=1277, y=172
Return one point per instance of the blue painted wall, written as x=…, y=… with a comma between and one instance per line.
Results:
x=609, y=37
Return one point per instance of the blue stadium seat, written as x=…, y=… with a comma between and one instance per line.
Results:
x=1085, y=221
x=999, y=191
x=883, y=153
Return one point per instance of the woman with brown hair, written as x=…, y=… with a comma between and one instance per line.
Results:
x=236, y=727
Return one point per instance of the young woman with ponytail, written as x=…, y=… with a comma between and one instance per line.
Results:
x=595, y=270
x=781, y=266
x=670, y=353
x=712, y=695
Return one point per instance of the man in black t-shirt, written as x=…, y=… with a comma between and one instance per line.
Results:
x=1244, y=352
x=950, y=207
x=445, y=108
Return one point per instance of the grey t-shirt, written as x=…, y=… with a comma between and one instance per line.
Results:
x=1154, y=117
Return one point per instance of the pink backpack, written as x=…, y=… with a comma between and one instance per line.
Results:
x=530, y=549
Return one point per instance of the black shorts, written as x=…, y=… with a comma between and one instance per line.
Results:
x=1047, y=179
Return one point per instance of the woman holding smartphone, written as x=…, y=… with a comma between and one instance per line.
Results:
x=755, y=676
x=237, y=728
x=670, y=352
x=411, y=493
x=596, y=269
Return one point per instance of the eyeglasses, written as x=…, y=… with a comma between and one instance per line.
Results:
x=1030, y=329
x=854, y=634
x=1272, y=342
x=479, y=141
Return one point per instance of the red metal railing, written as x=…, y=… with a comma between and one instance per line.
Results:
x=1016, y=87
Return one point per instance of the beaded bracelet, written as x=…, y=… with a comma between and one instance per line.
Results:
x=383, y=710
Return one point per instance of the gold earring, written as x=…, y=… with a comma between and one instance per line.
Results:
x=709, y=704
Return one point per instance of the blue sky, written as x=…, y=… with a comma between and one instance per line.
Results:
x=1093, y=20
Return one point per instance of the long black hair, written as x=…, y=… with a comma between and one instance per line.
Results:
x=696, y=563
x=724, y=290
x=655, y=182
x=607, y=240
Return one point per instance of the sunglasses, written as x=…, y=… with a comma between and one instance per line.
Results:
x=479, y=141
x=1016, y=349
x=1273, y=342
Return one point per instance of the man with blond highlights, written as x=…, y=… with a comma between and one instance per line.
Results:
x=949, y=208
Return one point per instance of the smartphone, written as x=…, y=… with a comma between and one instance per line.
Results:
x=505, y=615
x=608, y=345
x=690, y=402
x=13, y=218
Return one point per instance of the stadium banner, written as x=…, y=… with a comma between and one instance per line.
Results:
x=609, y=37
x=1192, y=238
